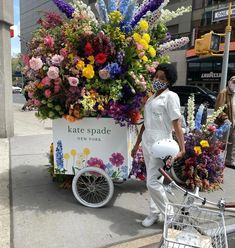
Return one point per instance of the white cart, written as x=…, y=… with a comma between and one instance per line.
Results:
x=97, y=151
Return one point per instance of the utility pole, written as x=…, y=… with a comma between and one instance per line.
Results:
x=228, y=31
x=6, y=106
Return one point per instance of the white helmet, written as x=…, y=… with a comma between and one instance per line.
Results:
x=164, y=148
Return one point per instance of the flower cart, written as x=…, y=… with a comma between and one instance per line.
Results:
x=96, y=151
x=92, y=79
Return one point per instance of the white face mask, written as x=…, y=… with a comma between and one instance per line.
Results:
x=231, y=86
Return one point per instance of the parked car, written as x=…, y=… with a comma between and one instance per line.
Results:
x=16, y=89
x=201, y=94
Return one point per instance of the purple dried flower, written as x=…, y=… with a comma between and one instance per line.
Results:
x=116, y=159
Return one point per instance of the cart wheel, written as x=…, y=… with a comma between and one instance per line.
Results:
x=176, y=172
x=92, y=187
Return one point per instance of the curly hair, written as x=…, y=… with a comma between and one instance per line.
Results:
x=170, y=72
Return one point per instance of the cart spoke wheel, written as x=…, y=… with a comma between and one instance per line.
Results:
x=92, y=187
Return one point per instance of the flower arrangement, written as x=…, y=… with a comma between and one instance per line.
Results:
x=203, y=163
x=80, y=67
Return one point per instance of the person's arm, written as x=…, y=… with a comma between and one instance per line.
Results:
x=138, y=141
x=180, y=137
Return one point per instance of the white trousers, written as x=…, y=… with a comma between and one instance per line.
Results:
x=158, y=197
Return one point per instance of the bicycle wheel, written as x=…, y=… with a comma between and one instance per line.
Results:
x=92, y=187
x=176, y=172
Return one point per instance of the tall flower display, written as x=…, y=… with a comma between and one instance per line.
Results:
x=80, y=66
x=203, y=164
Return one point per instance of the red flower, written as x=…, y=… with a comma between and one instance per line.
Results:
x=135, y=116
x=88, y=48
x=100, y=58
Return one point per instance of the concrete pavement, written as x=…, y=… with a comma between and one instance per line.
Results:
x=43, y=215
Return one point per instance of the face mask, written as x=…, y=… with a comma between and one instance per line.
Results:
x=157, y=85
x=231, y=87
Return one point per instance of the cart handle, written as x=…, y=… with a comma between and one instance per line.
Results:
x=165, y=175
x=229, y=204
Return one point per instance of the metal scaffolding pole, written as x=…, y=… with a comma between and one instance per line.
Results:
x=6, y=106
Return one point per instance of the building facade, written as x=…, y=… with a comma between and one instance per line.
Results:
x=209, y=15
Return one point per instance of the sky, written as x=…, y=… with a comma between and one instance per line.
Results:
x=15, y=42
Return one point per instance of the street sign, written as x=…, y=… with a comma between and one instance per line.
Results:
x=222, y=14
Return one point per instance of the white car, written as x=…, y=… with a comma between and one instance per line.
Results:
x=16, y=89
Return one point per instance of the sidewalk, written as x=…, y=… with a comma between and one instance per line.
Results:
x=43, y=215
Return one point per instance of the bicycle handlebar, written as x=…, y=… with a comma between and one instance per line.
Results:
x=165, y=175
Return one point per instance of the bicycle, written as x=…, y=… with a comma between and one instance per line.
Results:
x=190, y=225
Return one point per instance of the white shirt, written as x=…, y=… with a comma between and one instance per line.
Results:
x=159, y=112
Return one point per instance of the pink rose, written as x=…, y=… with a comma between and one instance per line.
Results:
x=35, y=63
x=57, y=59
x=47, y=93
x=53, y=72
x=46, y=81
x=49, y=41
x=63, y=52
x=57, y=81
x=30, y=94
x=139, y=47
x=104, y=74
x=25, y=58
x=73, y=81
x=57, y=88
x=36, y=102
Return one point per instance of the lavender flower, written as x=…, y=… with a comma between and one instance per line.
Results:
x=150, y=5
x=64, y=7
x=59, y=156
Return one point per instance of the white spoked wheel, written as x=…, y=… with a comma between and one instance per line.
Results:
x=92, y=187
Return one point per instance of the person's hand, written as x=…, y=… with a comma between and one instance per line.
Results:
x=134, y=150
x=180, y=155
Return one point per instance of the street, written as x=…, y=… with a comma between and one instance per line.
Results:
x=18, y=98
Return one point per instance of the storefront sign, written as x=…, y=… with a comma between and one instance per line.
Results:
x=92, y=142
x=222, y=14
x=210, y=75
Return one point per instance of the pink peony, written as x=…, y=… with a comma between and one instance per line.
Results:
x=30, y=94
x=53, y=72
x=36, y=102
x=47, y=93
x=46, y=81
x=57, y=88
x=63, y=52
x=57, y=59
x=73, y=81
x=25, y=58
x=49, y=41
x=104, y=74
x=35, y=63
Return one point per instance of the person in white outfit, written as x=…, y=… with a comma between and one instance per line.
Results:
x=161, y=115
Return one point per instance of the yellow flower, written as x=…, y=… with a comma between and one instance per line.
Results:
x=146, y=37
x=71, y=57
x=116, y=16
x=152, y=51
x=86, y=151
x=73, y=152
x=80, y=65
x=197, y=150
x=66, y=156
x=204, y=143
x=100, y=107
x=88, y=72
x=144, y=25
x=144, y=44
x=145, y=58
x=91, y=59
x=136, y=37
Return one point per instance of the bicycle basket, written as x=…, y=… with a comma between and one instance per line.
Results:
x=192, y=226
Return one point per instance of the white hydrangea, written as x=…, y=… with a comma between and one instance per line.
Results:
x=167, y=15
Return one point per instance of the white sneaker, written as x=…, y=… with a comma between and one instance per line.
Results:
x=151, y=219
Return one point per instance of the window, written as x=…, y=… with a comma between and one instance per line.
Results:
x=173, y=29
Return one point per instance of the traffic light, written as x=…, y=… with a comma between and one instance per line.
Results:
x=207, y=44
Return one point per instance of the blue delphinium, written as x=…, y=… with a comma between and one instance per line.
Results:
x=222, y=129
x=114, y=69
x=112, y=6
x=102, y=10
x=198, y=119
x=59, y=155
x=123, y=6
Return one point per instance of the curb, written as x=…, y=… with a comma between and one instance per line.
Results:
x=142, y=242
x=4, y=194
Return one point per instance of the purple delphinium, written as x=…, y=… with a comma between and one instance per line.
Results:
x=150, y=5
x=65, y=8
